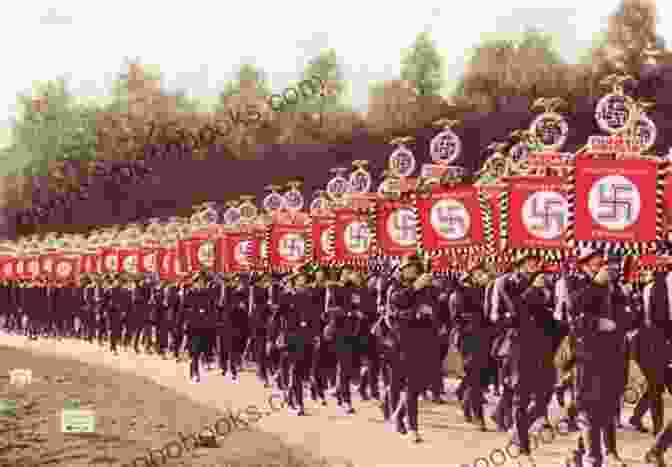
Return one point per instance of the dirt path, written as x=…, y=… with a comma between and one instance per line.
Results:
x=364, y=438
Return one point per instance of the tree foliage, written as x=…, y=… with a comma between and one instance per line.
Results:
x=422, y=65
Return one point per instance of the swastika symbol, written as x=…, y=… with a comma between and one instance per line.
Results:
x=293, y=247
x=357, y=237
x=545, y=214
x=614, y=202
x=401, y=226
x=450, y=219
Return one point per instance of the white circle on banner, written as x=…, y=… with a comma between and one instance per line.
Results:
x=64, y=269
x=292, y=246
x=48, y=264
x=360, y=181
x=401, y=227
x=612, y=113
x=551, y=130
x=325, y=241
x=131, y=264
x=614, y=202
x=337, y=186
x=544, y=214
x=206, y=254
x=148, y=261
x=166, y=262
x=273, y=201
x=357, y=237
x=402, y=161
x=445, y=147
x=450, y=219
x=232, y=216
x=19, y=267
x=7, y=269
x=294, y=200
x=647, y=131
x=241, y=252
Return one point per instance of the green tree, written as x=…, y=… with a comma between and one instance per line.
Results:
x=327, y=68
x=246, y=76
x=422, y=65
x=501, y=68
x=52, y=126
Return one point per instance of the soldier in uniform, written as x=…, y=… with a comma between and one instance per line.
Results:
x=505, y=307
x=413, y=306
x=119, y=300
x=472, y=336
x=341, y=332
x=260, y=316
x=200, y=324
x=650, y=349
x=596, y=307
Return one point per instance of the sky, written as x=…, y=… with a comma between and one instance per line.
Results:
x=198, y=45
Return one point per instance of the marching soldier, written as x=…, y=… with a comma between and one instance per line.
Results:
x=651, y=350
x=260, y=316
x=596, y=308
x=413, y=309
x=472, y=336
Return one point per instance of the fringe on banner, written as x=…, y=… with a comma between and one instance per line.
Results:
x=503, y=199
x=570, y=236
x=419, y=231
x=308, y=232
x=268, y=263
x=488, y=228
x=660, y=204
x=372, y=219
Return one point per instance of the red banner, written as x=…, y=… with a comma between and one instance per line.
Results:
x=109, y=261
x=129, y=260
x=238, y=251
x=538, y=213
x=322, y=230
x=289, y=246
x=9, y=268
x=451, y=217
x=615, y=200
x=396, y=228
x=65, y=268
x=170, y=265
x=47, y=265
x=148, y=260
x=352, y=236
x=32, y=267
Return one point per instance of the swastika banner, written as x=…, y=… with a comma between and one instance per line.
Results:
x=109, y=261
x=396, y=228
x=352, y=236
x=148, y=260
x=538, y=214
x=238, y=251
x=616, y=203
x=452, y=219
x=290, y=246
x=65, y=268
x=129, y=260
x=7, y=267
x=322, y=228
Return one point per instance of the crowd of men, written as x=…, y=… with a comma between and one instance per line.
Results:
x=529, y=334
